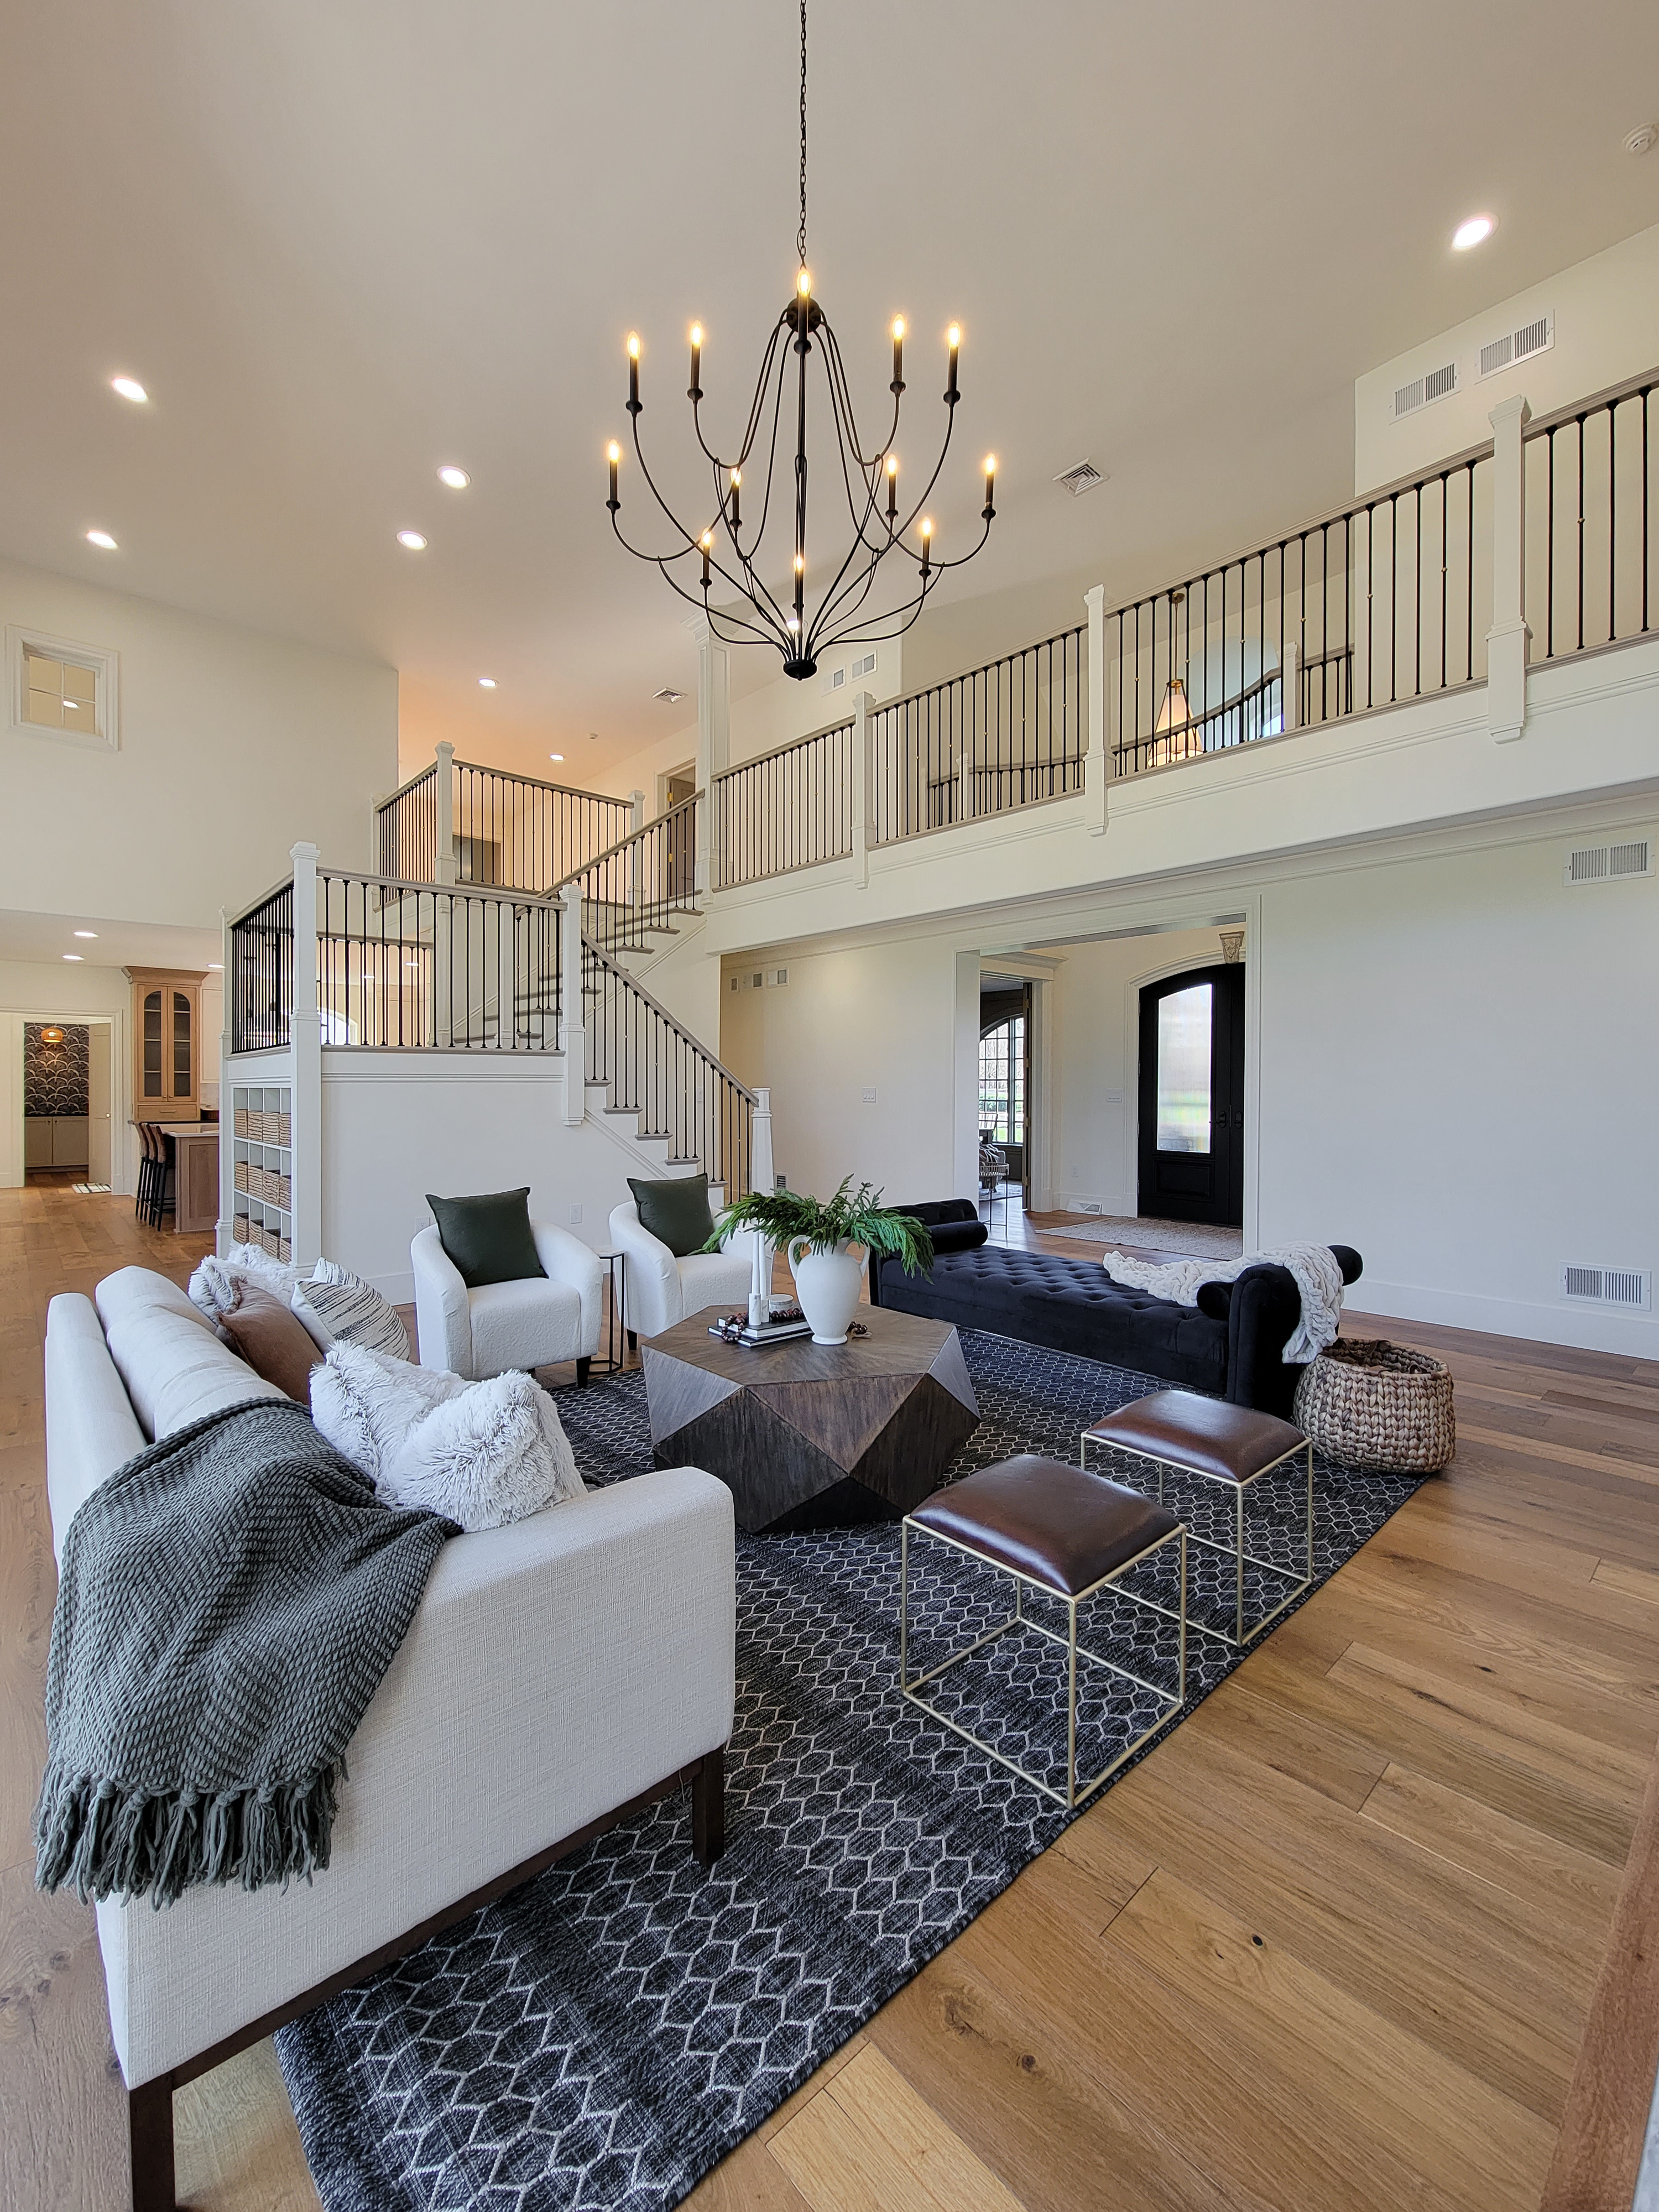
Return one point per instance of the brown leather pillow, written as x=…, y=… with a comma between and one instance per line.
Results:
x=272, y=1339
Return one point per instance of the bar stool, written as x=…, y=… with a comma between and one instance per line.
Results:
x=144, y=1199
x=1065, y=1536
x=162, y=1196
x=1231, y=1446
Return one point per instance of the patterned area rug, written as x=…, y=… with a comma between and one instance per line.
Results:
x=598, y=2039
x=1193, y=1240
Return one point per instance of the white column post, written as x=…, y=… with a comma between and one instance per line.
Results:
x=305, y=1044
x=864, y=785
x=375, y=867
x=713, y=741
x=1508, y=638
x=637, y=855
x=225, y=1227
x=573, y=1028
x=444, y=865
x=1097, y=760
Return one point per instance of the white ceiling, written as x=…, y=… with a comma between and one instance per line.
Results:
x=343, y=243
x=47, y=938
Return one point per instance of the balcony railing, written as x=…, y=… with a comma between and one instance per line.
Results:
x=262, y=973
x=656, y=1069
x=632, y=893
x=508, y=832
x=1592, y=491
x=788, y=809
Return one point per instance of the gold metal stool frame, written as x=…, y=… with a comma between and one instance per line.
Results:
x=1239, y=1637
x=1073, y=1795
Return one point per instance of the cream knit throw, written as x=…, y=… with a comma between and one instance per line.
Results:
x=1313, y=1266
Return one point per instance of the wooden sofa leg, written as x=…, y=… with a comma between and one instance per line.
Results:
x=708, y=1807
x=149, y=2142
x=582, y=1367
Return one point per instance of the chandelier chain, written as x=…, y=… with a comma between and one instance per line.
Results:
x=801, y=235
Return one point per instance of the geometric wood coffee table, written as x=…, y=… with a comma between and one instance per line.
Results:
x=813, y=1435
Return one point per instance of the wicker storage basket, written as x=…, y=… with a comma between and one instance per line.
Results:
x=1370, y=1404
x=240, y=1121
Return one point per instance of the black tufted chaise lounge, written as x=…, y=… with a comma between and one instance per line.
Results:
x=1231, y=1344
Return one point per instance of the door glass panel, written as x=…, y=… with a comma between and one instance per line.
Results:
x=152, y=1044
x=1183, y=1070
x=180, y=1045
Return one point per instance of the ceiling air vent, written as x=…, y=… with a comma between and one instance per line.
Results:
x=1609, y=1286
x=1535, y=337
x=1608, y=864
x=1423, y=391
x=1081, y=477
x=669, y=696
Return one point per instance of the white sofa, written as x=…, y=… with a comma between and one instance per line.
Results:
x=534, y=1323
x=659, y=1290
x=558, y=1673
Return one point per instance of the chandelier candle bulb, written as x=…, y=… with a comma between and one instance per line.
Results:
x=953, y=337
x=898, y=384
x=707, y=543
x=926, y=544
x=613, y=454
x=990, y=487
x=696, y=392
x=892, y=489
x=632, y=372
x=737, y=488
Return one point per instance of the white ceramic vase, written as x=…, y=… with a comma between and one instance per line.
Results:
x=828, y=1285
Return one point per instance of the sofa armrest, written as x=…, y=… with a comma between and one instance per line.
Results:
x=567, y=1260
x=1261, y=1314
x=443, y=1319
x=651, y=1296
x=556, y=1669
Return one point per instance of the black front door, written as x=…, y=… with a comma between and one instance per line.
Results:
x=1192, y=1095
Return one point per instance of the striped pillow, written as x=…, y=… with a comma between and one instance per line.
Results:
x=352, y=1312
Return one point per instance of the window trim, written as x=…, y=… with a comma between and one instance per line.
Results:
x=22, y=639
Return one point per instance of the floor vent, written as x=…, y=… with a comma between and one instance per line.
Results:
x=1081, y=477
x=1609, y=864
x=1631, y=1287
x=1423, y=391
x=1535, y=337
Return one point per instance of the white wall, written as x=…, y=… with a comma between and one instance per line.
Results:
x=233, y=747
x=1606, y=328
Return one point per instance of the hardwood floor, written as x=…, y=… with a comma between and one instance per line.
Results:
x=1331, y=1946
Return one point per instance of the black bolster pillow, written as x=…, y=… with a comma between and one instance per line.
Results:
x=958, y=1235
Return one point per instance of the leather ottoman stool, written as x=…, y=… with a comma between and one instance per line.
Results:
x=1068, y=1536
x=1232, y=1445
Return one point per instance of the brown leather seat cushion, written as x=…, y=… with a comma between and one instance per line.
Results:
x=1063, y=1528
x=1230, y=1443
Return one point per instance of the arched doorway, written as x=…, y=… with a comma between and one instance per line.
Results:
x=1192, y=1095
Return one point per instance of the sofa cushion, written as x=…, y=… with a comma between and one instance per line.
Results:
x=675, y=1211
x=175, y=1367
x=93, y=1429
x=488, y=1236
x=270, y=1336
x=1069, y=1305
x=522, y=1325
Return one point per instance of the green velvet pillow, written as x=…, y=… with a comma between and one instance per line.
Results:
x=488, y=1238
x=675, y=1212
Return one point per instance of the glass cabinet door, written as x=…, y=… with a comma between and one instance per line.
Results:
x=152, y=1045
x=183, y=1042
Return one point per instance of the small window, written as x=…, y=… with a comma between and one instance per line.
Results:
x=61, y=689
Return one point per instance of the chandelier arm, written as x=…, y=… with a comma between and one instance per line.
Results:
x=844, y=606
x=963, y=559
x=842, y=585
x=695, y=599
x=771, y=465
x=910, y=608
x=840, y=389
x=639, y=454
x=757, y=407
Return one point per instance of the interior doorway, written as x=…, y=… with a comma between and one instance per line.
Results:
x=1191, y=1162
x=68, y=1129
x=1005, y=1093
x=679, y=856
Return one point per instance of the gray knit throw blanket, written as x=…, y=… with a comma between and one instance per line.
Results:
x=229, y=1602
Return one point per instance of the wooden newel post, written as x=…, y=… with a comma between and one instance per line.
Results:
x=306, y=1041
x=573, y=1028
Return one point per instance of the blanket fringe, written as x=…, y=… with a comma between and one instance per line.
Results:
x=106, y=1838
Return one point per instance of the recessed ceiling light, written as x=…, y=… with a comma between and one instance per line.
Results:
x=557, y=756
x=457, y=479
x=216, y=967
x=486, y=684
x=101, y=538
x=129, y=387
x=86, y=933
x=1476, y=232
x=412, y=541
x=74, y=956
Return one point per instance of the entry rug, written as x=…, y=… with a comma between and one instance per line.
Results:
x=598, y=2039
x=1191, y=1240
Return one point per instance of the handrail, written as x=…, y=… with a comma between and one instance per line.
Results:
x=1628, y=388
x=634, y=837
x=506, y=893
x=794, y=744
x=536, y=783
x=604, y=961
x=392, y=797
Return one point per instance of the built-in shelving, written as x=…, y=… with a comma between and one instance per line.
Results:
x=262, y=1173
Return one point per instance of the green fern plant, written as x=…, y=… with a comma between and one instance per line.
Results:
x=852, y=1217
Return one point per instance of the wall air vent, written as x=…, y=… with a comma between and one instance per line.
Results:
x=1081, y=477
x=1609, y=864
x=1423, y=391
x=1535, y=337
x=1609, y=1286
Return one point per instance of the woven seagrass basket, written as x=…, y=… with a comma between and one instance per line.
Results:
x=1370, y=1404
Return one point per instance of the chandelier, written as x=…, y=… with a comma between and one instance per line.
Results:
x=728, y=557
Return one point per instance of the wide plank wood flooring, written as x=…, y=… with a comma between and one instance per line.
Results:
x=1330, y=1947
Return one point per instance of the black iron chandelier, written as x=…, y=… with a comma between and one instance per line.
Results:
x=730, y=551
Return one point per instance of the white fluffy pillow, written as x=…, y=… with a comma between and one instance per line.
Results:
x=481, y=1454
x=213, y=1287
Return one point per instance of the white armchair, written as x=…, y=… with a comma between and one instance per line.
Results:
x=501, y=1325
x=659, y=1290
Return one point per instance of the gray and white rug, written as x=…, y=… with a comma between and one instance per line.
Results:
x=1192, y=1240
x=598, y=2039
